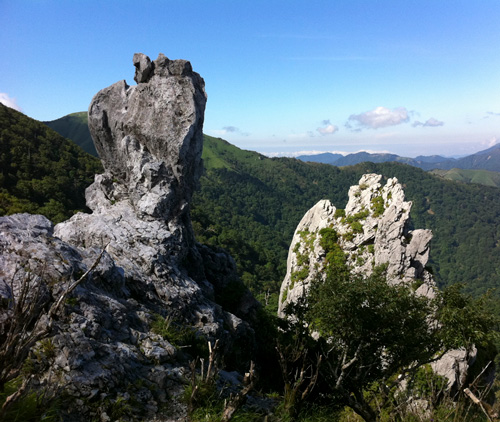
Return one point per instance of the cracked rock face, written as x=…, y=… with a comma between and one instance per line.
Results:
x=149, y=138
x=373, y=230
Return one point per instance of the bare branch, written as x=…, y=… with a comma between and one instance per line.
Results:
x=55, y=307
x=237, y=401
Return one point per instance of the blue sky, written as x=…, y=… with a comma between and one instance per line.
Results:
x=408, y=77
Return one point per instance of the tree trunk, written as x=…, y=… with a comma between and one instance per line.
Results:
x=358, y=403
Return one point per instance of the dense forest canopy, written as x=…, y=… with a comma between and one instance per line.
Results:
x=40, y=171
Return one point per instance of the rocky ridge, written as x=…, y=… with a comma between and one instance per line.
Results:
x=105, y=351
x=373, y=230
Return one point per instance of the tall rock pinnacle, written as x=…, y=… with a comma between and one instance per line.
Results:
x=150, y=139
x=149, y=136
x=373, y=230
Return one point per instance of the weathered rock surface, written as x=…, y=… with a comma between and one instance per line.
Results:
x=149, y=138
x=374, y=229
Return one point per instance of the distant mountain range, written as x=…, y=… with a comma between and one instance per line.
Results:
x=489, y=159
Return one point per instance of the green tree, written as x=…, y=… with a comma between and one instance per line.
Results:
x=373, y=331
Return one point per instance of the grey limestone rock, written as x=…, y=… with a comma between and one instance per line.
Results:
x=143, y=67
x=373, y=230
x=149, y=138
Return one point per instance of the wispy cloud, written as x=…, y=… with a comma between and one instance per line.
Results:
x=8, y=101
x=229, y=129
x=493, y=141
x=432, y=122
x=379, y=117
x=327, y=128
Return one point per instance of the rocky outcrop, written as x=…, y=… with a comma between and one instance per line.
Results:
x=108, y=348
x=373, y=230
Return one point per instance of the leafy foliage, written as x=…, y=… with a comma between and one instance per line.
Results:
x=375, y=330
x=32, y=407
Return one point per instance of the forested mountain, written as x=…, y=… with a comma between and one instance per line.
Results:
x=481, y=177
x=250, y=204
x=40, y=171
x=356, y=158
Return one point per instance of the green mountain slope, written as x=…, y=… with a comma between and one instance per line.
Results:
x=252, y=205
x=40, y=171
x=75, y=127
x=481, y=177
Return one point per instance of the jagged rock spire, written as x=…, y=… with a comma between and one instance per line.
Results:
x=150, y=137
x=373, y=230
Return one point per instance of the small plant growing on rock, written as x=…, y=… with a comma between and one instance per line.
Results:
x=378, y=206
x=339, y=213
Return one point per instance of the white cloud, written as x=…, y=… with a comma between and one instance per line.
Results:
x=327, y=128
x=432, y=122
x=381, y=117
x=226, y=130
x=9, y=102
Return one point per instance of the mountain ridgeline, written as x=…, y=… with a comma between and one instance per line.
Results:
x=489, y=159
x=256, y=202
x=74, y=126
x=250, y=204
